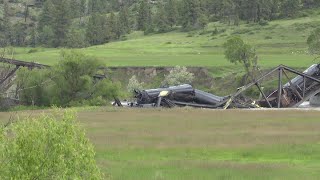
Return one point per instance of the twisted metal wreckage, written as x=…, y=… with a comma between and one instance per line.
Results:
x=290, y=95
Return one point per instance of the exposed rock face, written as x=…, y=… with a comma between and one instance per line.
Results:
x=315, y=101
x=150, y=74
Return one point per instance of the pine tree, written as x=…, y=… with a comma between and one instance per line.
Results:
x=7, y=26
x=33, y=36
x=60, y=21
x=45, y=15
x=112, y=25
x=97, y=31
x=162, y=20
x=191, y=13
x=75, y=8
x=289, y=7
x=124, y=23
x=97, y=6
x=172, y=12
x=83, y=8
x=144, y=19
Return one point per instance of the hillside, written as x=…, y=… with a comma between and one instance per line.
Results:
x=278, y=42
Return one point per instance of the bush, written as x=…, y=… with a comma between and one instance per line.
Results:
x=76, y=39
x=33, y=50
x=268, y=37
x=215, y=31
x=47, y=147
x=134, y=84
x=263, y=23
x=177, y=76
x=69, y=83
x=33, y=86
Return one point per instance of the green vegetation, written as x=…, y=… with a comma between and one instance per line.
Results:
x=314, y=42
x=68, y=83
x=47, y=147
x=177, y=76
x=175, y=37
x=237, y=51
x=191, y=144
x=198, y=48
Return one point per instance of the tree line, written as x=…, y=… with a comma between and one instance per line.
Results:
x=81, y=23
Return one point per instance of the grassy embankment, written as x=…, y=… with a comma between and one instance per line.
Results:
x=192, y=144
x=279, y=42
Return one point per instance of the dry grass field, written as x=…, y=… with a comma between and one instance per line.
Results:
x=183, y=144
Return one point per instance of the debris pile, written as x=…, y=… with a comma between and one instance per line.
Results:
x=292, y=94
x=183, y=95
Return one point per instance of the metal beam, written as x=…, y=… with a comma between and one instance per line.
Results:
x=280, y=87
x=292, y=86
x=264, y=95
x=301, y=74
x=23, y=63
x=244, y=88
x=9, y=74
x=304, y=86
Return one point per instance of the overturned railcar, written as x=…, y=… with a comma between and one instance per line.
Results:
x=183, y=95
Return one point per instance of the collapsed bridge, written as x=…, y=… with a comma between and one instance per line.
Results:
x=292, y=94
x=289, y=95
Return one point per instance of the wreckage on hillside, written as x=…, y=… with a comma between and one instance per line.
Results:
x=292, y=94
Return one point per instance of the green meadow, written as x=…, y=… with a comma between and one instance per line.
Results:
x=278, y=42
x=192, y=144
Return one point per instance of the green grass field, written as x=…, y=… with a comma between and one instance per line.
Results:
x=187, y=144
x=279, y=42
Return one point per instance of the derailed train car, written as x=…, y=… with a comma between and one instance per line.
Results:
x=185, y=95
x=292, y=94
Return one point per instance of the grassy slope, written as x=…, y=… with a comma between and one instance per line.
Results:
x=141, y=144
x=280, y=42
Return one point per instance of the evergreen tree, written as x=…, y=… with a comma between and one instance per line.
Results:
x=45, y=15
x=124, y=23
x=112, y=26
x=162, y=20
x=97, y=6
x=7, y=26
x=190, y=13
x=97, y=31
x=75, y=8
x=144, y=19
x=76, y=38
x=172, y=12
x=33, y=36
x=83, y=8
x=19, y=34
x=60, y=21
x=54, y=22
x=290, y=7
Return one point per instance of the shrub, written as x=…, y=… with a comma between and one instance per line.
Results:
x=68, y=83
x=178, y=75
x=47, y=147
x=33, y=50
x=263, y=23
x=268, y=37
x=33, y=86
x=134, y=84
x=76, y=39
x=215, y=31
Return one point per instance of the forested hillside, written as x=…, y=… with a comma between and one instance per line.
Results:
x=82, y=23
